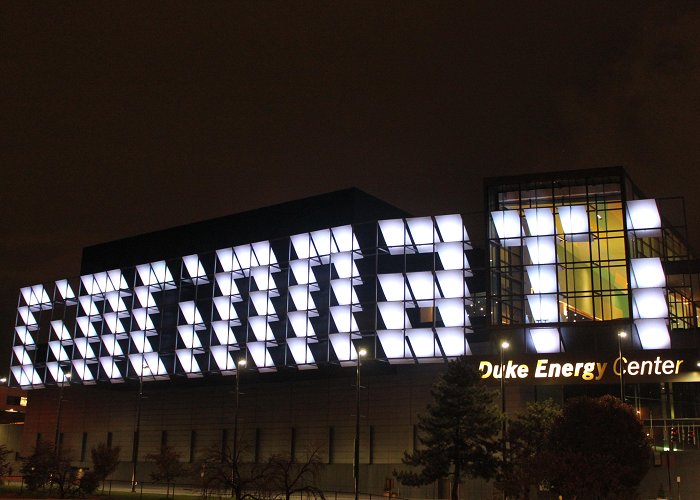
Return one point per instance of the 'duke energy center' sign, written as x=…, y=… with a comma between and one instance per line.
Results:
x=557, y=370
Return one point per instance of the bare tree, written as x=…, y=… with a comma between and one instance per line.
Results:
x=284, y=477
x=167, y=466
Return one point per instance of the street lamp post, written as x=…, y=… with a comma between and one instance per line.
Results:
x=58, y=415
x=621, y=335
x=137, y=431
x=234, y=456
x=504, y=345
x=356, y=459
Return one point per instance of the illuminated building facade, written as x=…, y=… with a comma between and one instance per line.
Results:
x=567, y=263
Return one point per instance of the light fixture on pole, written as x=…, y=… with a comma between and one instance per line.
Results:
x=234, y=455
x=621, y=335
x=356, y=459
x=58, y=414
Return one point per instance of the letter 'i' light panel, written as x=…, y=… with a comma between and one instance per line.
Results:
x=249, y=302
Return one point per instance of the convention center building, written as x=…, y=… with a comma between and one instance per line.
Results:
x=259, y=325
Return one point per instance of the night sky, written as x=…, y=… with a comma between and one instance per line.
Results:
x=119, y=118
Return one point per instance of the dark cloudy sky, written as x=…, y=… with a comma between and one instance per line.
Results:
x=119, y=118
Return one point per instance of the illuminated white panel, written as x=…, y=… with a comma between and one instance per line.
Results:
x=544, y=308
x=147, y=365
x=543, y=279
x=223, y=333
x=301, y=244
x=189, y=336
x=113, y=323
x=225, y=257
x=647, y=273
x=190, y=313
x=227, y=284
x=451, y=228
x=540, y=221
x=35, y=295
x=57, y=373
x=422, y=232
x=344, y=348
x=117, y=280
x=143, y=294
x=88, y=305
x=653, y=333
x=82, y=370
x=141, y=342
x=542, y=249
x=225, y=308
x=194, y=266
x=344, y=319
x=58, y=351
x=546, y=340
x=302, y=272
x=345, y=239
x=156, y=273
x=261, y=356
x=574, y=222
x=423, y=343
x=394, y=344
x=24, y=336
x=27, y=316
x=188, y=361
x=393, y=286
x=263, y=278
x=394, y=315
x=65, y=289
x=323, y=243
x=643, y=217
x=263, y=305
x=60, y=330
x=453, y=341
x=344, y=264
x=261, y=328
x=116, y=302
x=84, y=347
x=86, y=326
x=507, y=223
x=143, y=320
x=452, y=284
x=112, y=345
x=222, y=358
x=91, y=285
x=394, y=234
x=22, y=355
x=452, y=312
x=422, y=285
x=26, y=376
x=245, y=257
x=301, y=353
x=264, y=255
x=649, y=303
x=300, y=323
x=451, y=255
x=344, y=292
x=102, y=283
x=110, y=368
x=301, y=297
